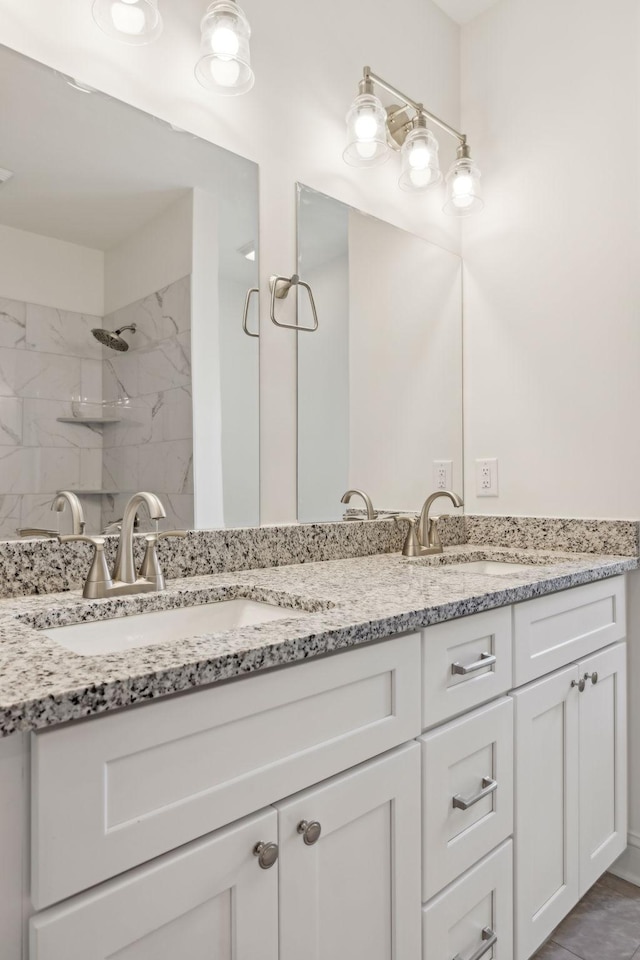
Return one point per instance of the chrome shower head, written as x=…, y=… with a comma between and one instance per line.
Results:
x=112, y=338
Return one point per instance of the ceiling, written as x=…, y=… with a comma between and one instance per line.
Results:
x=462, y=11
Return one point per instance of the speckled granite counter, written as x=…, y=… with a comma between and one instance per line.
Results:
x=341, y=603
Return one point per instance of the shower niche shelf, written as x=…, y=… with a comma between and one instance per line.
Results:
x=88, y=421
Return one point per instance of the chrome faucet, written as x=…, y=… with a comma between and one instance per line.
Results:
x=371, y=513
x=425, y=539
x=100, y=582
x=77, y=513
x=124, y=569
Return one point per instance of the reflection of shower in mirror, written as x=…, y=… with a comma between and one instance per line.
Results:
x=112, y=338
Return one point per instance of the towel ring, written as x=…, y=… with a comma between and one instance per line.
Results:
x=280, y=287
x=245, y=315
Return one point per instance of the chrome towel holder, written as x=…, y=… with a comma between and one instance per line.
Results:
x=280, y=287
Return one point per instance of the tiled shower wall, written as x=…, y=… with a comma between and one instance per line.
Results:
x=46, y=357
x=152, y=447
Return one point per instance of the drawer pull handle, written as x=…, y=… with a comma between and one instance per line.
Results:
x=267, y=854
x=490, y=939
x=310, y=831
x=486, y=660
x=489, y=786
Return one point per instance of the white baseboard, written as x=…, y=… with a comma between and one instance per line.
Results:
x=627, y=867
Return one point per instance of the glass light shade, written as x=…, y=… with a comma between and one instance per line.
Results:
x=420, y=165
x=463, y=189
x=366, y=132
x=130, y=21
x=225, y=64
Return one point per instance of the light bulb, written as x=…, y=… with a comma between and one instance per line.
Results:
x=128, y=17
x=366, y=148
x=225, y=71
x=420, y=177
x=463, y=186
x=366, y=125
x=366, y=132
x=225, y=63
x=419, y=156
x=224, y=41
x=131, y=21
x=420, y=166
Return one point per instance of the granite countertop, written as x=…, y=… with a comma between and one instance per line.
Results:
x=336, y=604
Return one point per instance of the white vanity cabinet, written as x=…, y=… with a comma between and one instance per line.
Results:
x=571, y=788
x=424, y=795
x=344, y=885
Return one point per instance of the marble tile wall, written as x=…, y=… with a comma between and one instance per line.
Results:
x=151, y=448
x=46, y=357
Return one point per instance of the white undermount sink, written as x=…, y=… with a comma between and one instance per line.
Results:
x=96, y=637
x=490, y=567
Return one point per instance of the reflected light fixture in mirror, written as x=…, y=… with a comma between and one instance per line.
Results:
x=130, y=21
x=225, y=64
x=373, y=130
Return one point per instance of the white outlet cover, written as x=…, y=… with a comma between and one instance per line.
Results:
x=487, y=477
x=442, y=474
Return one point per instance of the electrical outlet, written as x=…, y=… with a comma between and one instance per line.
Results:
x=487, y=478
x=442, y=474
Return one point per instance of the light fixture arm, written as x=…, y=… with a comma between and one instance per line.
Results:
x=369, y=79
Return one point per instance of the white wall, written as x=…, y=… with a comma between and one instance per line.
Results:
x=152, y=258
x=552, y=285
x=42, y=270
x=308, y=59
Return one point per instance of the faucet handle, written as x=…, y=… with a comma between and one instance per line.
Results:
x=99, y=579
x=150, y=567
x=412, y=546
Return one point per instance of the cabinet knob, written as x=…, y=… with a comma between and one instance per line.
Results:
x=310, y=831
x=580, y=684
x=267, y=854
x=592, y=676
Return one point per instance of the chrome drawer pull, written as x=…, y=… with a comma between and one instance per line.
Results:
x=486, y=660
x=490, y=938
x=489, y=786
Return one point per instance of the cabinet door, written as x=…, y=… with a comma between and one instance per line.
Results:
x=603, y=763
x=354, y=891
x=547, y=797
x=210, y=899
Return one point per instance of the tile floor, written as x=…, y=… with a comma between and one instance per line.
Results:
x=605, y=925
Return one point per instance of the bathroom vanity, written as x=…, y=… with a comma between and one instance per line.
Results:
x=363, y=804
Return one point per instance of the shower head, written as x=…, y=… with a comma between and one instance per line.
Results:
x=112, y=338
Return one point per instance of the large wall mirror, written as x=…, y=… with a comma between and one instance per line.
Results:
x=380, y=380
x=112, y=220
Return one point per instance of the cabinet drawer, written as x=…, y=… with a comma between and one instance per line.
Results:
x=469, y=913
x=115, y=791
x=208, y=899
x=460, y=645
x=551, y=631
x=462, y=761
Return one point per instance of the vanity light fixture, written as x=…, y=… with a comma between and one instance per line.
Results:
x=373, y=131
x=225, y=64
x=130, y=21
